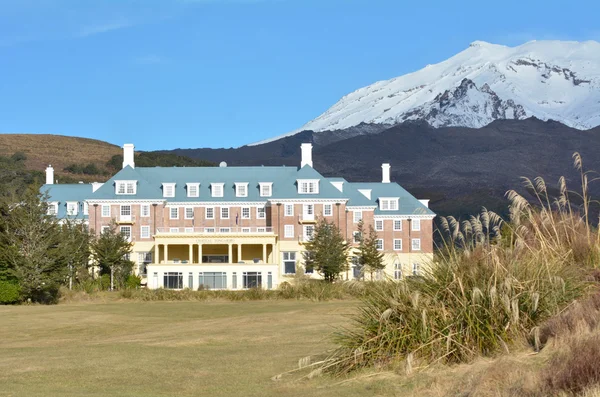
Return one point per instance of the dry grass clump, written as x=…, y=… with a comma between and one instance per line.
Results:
x=491, y=284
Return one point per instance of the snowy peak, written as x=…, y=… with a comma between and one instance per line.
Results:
x=557, y=80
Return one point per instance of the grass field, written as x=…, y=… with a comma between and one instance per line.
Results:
x=167, y=348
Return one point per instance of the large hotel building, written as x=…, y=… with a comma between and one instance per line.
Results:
x=242, y=227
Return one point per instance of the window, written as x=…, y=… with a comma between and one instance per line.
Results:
x=356, y=237
x=126, y=232
x=191, y=280
x=416, y=225
x=105, y=211
x=245, y=230
x=173, y=213
x=252, y=279
x=308, y=232
x=212, y=280
x=145, y=210
x=144, y=259
x=168, y=190
x=85, y=208
x=397, y=244
x=189, y=230
x=379, y=244
x=189, y=212
x=261, y=213
x=379, y=225
x=288, y=210
x=125, y=187
x=173, y=280
x=224, y=212
x=327, y=209
x=145, y=232
x=289, y=262
x=105, y=229
x=265, y=189
x=308, y=186
x=225, y=230
x=174, y=230
x=261, y=230
x=241, y=189
x=416, y=269
x=416, y=244
x=398, y=225
x=193, y=190
x=388, y=204
x=72, y=207
x=209, y=230
x=269, y=280
x=397, y=271
x=125, y=212
x=210, y=213
x=217, y=189
x=52, y=208
x=234, y=280
x=289, y=231
x=357, y=216
x=357, y=268
x=246, y=213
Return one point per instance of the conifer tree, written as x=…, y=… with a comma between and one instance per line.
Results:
x=369, y=257
x=327, y=251
x=111, y=252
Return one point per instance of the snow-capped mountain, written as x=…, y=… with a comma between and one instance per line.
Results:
x=557, y=80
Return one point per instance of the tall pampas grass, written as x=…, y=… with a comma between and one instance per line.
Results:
x=491, y=284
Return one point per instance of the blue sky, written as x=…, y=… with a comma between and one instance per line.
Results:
x=224, y=73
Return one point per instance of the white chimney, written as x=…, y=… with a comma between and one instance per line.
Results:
x=306, y=154
x=128, y=149
x=385, y=173
x=49, y=175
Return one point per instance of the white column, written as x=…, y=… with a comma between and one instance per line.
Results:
x=239, y=249
x=200, y=253
x=264, y=253
x=191, y=257
x=230, y=253
x=166, y=253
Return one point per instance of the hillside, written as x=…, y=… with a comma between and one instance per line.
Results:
x=60, y=151
x=460, y=169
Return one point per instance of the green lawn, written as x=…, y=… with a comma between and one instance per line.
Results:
x=167, y=348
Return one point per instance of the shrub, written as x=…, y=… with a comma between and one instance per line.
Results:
x=105, y=282
x=133, y=282
x=9, y=293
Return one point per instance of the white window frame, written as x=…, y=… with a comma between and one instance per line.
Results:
x=206, y=210
x=388, y=203
x=129, y=188
x=308, y=186
x=145, y=210
x=126, y=217
x=327, y=209
x=289, y=255
x=261, y=214
x=189, y=187
x=354, y=239
x=54, y=206
x=415, y=225
x=305, y=234
x=354, y=216
x=397, y=244
x=145, y=231
x=380, y=243
x=285, y=210
x=246, y=213
x=104, y=228
x=86, y=208
x=75, y=206
x=171, y=209
x=241, y=189
x=288, y=231
x=379, y=222
x=122, y=228
x=416, y=268
x=166, y=187
x=186, y=210
x=397, y=271
x=224, y=211
x=415, y=242
x=214, y=191
x=398, y=222
x=104, y=207
x=269, y=186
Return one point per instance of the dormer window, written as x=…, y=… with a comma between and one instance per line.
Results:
x=266, y=189
x=72, y=207
x=193, y=190
x=217, y=189
x=241, y=189
x=388, y=203
x=125, y=187
x=53, y=208
x=168, y=190
x=308, y=186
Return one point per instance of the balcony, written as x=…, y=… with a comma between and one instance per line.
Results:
x=214, y=230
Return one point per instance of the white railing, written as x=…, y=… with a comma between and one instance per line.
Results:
x=214, y=230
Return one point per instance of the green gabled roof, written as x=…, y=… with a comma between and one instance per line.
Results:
x=150, y=180
x=69, y=192
x=408, y=204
